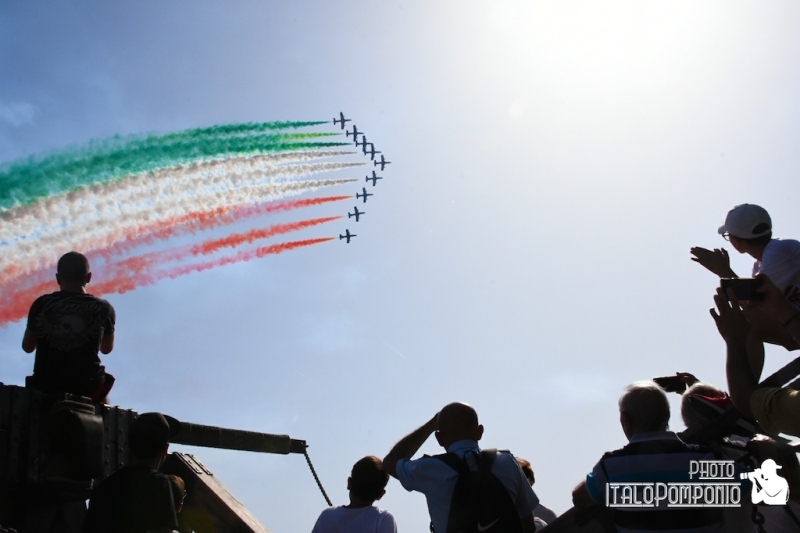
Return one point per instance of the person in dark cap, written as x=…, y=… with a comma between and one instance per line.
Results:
x=137, y=498
x=67, y=329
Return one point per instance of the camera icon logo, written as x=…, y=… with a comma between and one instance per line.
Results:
x=768, y=486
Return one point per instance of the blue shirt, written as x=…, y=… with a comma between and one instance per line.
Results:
x=436, y=481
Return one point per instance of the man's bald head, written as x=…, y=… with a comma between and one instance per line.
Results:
x=458, y=421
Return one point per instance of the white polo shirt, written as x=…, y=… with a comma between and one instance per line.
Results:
x=436, y=481
x=781, y=262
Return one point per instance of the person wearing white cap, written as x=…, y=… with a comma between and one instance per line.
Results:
x=748, y=227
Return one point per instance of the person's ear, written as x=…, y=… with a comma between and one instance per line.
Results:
x=349, y=483
x=381, y=496
x=88, y=277
x=479, y=432
x=58, y=278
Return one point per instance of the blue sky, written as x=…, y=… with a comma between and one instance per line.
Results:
x=528, y=251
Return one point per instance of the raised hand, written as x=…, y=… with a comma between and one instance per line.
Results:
x=716, y=260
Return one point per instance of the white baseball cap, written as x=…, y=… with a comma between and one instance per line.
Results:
x=743, y=219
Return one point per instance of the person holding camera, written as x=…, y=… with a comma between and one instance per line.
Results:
x=777, y=409
x=748, y=227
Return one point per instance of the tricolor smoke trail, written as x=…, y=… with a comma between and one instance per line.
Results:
x=113, y=199
x=24, y=182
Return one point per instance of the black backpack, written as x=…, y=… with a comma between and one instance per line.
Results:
x=480, y=502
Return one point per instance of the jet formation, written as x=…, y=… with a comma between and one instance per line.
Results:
x=367, y=148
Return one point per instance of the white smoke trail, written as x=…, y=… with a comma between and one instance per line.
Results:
x=88, y=233
x=105, y=200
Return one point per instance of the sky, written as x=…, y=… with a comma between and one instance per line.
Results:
x=527, y=251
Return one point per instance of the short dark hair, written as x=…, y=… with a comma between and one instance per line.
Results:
x=527, y=469
x=368, y=478
x=73, y=267
x=150, y=433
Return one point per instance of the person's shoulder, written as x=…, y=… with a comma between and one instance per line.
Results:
x=46, y=297
x=505, y=457
x=382, y=512
x=97, y=299
x=782, y=246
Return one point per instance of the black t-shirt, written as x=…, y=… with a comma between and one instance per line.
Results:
x=134, y=499
x=69, y=327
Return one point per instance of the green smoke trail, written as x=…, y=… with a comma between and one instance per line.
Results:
x=23, y=182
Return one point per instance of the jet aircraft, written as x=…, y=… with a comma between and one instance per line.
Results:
x=365, y=195
x=341, y=120
x=347, y=235
x=372, y=151
x=355, y=133
x=356, y=214
x=374, y=179
x=363, y=143
x=383, y=162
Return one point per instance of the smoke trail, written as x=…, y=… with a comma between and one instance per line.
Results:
x=100, y=232
x=174, y=227
x=128, y=283
x=137, y=197
x=15, y=306
x=141, y=191
x=203, y=220
x=98, y=149
x=20, y=301
x=22, y=184
x=238, y=258
x=139, y=265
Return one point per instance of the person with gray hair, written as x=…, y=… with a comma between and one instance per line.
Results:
x=653, y=454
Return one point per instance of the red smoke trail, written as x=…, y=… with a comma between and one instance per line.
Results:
x=203, y=220
x=127, y=283
x=22, y=300
x=176, y=226
x=140, y=265
x=232, y=241
x=130, y=273
x=15, y=305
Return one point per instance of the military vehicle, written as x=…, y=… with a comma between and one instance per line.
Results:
x=55, y=447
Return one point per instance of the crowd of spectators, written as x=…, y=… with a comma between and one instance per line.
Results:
x=470, y=489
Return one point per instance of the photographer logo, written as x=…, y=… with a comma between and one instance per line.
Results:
x=712, y=484
x=768, y=487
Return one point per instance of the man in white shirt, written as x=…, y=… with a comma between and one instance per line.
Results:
x=748, y=227
x=366, y=484
x=457, y=431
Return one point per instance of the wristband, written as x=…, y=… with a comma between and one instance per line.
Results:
x=797, y=314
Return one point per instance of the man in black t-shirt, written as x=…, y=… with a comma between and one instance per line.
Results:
x=137, y=498
x=67, y=329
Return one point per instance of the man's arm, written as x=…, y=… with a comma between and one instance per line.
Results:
x=409, y=445
x=107, y=343
x=29, y=341
x=581, y=498
x=733, y=327
x=717, y=261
